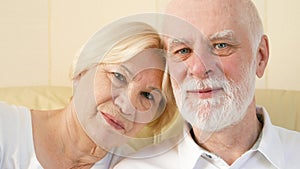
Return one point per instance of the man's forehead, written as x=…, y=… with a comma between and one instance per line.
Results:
x=207, y=13
x=187, y=35
x=223, y=34
x=179, y=40
x=181, y=6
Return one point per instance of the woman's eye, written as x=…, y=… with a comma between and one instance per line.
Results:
x=147, y=95
x=119, y=76
x=220, y=45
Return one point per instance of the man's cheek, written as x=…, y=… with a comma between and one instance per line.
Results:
x=178, y=71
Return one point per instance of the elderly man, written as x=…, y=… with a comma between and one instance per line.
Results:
x=213, y=74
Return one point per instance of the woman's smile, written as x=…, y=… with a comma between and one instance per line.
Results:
x=113, y=122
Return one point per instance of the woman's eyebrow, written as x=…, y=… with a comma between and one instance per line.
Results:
x=156, y=89
x=126, y=69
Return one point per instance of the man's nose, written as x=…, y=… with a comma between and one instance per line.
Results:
x=200, y=65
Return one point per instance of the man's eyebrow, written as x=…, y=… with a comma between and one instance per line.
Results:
x=172, y=42
x=225, y=34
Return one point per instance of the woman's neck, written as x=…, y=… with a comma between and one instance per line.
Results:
x=60, y=141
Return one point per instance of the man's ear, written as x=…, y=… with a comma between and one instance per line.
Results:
x=262, y=56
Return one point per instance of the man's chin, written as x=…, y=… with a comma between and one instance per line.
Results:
x=207, y=129
x=208, y=126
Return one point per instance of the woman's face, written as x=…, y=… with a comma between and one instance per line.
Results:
x=117, y=100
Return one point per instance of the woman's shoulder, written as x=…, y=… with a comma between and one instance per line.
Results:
x=12, y=115
x=15, y=135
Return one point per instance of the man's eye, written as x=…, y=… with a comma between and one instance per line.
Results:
x=184, y=51
x=182, y=54
x=119, y=76
x=223, y=49
x=220, y=45
x=147, y=95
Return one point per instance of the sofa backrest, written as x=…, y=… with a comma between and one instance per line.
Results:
x=282, y=105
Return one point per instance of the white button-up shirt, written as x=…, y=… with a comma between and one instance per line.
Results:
x=276, y=148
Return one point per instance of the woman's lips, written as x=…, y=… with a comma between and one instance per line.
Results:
x=113, y=122
x=205, y=93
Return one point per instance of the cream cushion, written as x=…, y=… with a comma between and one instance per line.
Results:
x=37, y=97
x=283, y=105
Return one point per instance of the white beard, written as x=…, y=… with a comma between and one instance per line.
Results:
x=219, y=111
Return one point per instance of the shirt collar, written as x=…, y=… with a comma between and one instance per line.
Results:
x=270, y=145
x=190, y=152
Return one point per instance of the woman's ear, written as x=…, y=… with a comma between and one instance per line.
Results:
x=77, y=78
x=262, y=56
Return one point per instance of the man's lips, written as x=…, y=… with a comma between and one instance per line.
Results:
x=113, y=121
x=205, y=93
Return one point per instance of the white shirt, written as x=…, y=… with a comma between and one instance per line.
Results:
x=276, y=148
x=16, y=141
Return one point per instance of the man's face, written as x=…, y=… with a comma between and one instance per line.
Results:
x=212, y=65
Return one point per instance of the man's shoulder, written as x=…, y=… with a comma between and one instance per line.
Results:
x=288, y=137
x=287, y=147
x=163, y=155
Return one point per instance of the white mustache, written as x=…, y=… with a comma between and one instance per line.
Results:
x=196, y=84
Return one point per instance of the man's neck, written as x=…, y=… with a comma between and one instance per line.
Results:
x=231, y=142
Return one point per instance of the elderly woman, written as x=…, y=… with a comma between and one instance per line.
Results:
x=119, y=87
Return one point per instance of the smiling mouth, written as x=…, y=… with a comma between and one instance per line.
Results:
x=205, y=93
x=113, y=122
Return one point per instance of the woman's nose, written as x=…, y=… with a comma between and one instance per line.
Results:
x=133, y=105
x=123, y=101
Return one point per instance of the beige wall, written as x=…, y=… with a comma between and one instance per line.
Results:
x=40, y=37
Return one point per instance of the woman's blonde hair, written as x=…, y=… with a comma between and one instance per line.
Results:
x=118, y=43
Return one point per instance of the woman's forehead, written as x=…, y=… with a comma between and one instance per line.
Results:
x=147, y=59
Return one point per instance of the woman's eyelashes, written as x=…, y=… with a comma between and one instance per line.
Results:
x=118, y=79
x=119, y=76
x=147, y=95
x=150, y=100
